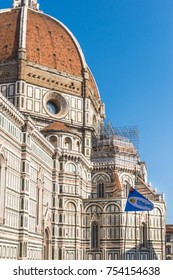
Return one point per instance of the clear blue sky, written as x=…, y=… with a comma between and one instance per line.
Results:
x=128, y=44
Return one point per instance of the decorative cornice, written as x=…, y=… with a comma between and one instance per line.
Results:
x=10, y=111
x=54, y=82
x=24, y=123
x=53, y=71
x=37, y=136
x=43, y=142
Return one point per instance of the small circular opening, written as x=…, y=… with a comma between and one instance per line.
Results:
x=55, y=105
x=52, y=107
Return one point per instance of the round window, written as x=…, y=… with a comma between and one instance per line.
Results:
x=55, y=104
x=52, y=107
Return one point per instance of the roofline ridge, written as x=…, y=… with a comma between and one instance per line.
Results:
x=23, y=27
x=5, y=10
x=94, y=82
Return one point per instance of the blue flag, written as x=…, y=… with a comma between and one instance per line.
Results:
x=138, y=202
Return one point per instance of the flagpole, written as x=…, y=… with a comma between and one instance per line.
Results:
x=135, y=237
x=148, y=234
x=125, y=234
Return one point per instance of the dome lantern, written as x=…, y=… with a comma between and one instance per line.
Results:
x=33, y=4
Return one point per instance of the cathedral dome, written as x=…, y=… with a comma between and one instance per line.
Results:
x=46, y=40
x=38, y=50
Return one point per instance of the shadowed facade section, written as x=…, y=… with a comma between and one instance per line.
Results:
x=9, y=35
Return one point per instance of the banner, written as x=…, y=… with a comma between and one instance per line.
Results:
x=138, y=202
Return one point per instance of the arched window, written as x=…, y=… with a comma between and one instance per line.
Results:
x=78, y=146
x=112, y=208
x=53, y=140
x=46, y=244
x=112, y=221
x=94, y=121
x=53, y=217
x=126, y=189
x=60, y=203
x=94, y=235
x=60, y=254
x=40, y=187
x=53, y=201
x=70, y=168
x=143, y=235
x=22, y=203
x=168, y=250
x=68, y=144
x=21, y=220
x=71, y=217
x=94, y=209
x=100, y=190
x=84, y=175
x=60, y=218
x=60, y=231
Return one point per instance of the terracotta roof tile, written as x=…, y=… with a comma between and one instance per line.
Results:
x=49, y=44
x=9, y=34
x=169, y=228
x=56, y=126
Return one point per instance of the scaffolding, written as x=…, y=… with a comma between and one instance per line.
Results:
x=128, y=134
